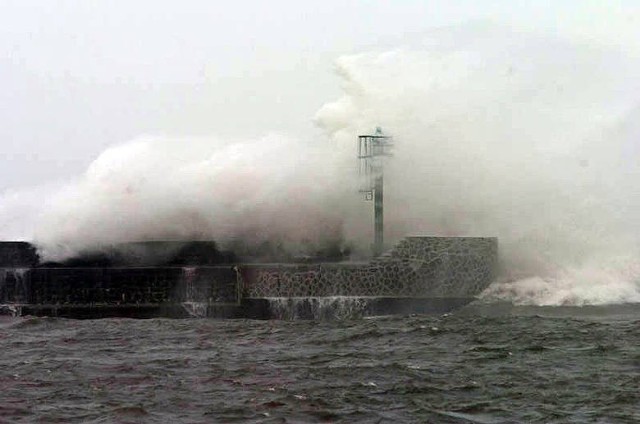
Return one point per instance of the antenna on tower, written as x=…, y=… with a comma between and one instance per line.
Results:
x=372, y=149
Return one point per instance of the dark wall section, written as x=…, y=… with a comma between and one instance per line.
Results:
x=150, y=253
x=17, y=254
x=161, y=253
x=118, y=286
x=102, y=285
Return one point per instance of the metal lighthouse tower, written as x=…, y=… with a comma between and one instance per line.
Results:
x=372, y=149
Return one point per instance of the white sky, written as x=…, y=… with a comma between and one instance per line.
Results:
x=76, y=76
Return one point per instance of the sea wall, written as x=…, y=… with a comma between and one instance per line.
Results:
x=427, y=268
x=115, y=286
x=415, y=267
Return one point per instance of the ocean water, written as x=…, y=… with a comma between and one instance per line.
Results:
x=486, y=363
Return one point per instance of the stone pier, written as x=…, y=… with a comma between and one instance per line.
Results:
x=419, y=275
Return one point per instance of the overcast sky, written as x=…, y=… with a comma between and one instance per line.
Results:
x=77, y=76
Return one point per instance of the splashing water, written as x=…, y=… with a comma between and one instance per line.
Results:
x=327, y=307
x=261, y=191
x=516, y=135
x=498, y=132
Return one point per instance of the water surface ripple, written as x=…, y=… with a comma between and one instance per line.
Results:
x=476, y=366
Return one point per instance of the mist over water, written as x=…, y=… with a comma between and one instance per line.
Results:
x=497, y=133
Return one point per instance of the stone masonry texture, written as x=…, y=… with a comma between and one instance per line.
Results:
x=415, y=267
x=438, y=267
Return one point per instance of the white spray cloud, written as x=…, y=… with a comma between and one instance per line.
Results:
x=152, y=188
x=512, y=135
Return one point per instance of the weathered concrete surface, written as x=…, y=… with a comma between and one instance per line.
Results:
x=419, y=275
x=134, y=291
x=118, y=286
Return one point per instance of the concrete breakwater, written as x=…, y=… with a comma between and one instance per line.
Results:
x=419, y=275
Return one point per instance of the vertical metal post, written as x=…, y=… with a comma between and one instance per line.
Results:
x=372, y=150
x=378, y=212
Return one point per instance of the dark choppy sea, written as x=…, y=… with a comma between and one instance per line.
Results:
x=483, y=364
